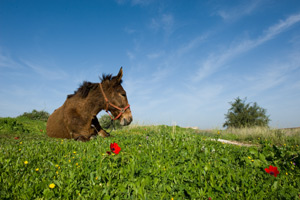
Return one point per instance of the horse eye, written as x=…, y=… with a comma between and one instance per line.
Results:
x=124, y=95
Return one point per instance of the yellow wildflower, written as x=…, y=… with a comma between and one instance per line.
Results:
x=26, y=162
x=52, y=185
x=37, y=169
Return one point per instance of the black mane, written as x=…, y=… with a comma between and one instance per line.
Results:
x=108, y=77
x=84, y=89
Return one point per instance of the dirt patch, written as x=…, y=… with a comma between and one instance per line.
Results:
x=234, y=143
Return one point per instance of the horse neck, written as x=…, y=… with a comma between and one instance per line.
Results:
x=94, y=102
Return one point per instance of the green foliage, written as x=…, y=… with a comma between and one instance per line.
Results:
x=36, y=115
x=245, y=115
x=105, y=122
x=21, y=125
x=11, y=125
x=155, y=162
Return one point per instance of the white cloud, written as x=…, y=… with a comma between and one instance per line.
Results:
x=155, y=55
x=214, y=62
x=48, y=73
x=240, y=10
x=130, y=55
x=194, y=43
x=135, y=2
x=164, y=22
x=129, y=30
x=7, y=62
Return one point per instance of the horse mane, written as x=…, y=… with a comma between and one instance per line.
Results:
x=108, y=77
x=86, y=87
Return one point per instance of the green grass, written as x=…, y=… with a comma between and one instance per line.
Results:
x=258, y=135
x=155, y=162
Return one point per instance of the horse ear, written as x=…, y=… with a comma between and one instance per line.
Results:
x=120, y=75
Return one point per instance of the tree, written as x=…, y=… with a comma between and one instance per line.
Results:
x=242, y=115
x=36, y=115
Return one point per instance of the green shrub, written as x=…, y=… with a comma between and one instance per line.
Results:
x=242, y=115
x=105, y=122
x=36, y=115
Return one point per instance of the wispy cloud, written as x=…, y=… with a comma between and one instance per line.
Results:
x=7, y=62
x=279, y=73
x=214, y=62
x=164, y=22
x=192, y=44
x=50, y=73
x=234, y=13
x=134, y=2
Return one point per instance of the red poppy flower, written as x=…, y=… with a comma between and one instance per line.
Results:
x=272, y=170
x=115, y=148
x=16, y=138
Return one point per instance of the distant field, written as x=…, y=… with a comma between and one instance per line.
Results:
x=155, y=162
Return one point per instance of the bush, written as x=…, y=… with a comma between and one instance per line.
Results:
x=105, y=122
x=36, y=115
x=242, y=115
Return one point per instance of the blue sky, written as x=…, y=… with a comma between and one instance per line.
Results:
x=183, y=61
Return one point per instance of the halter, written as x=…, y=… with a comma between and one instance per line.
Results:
x=122, y=110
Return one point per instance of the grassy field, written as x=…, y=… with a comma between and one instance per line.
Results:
x=155, y=162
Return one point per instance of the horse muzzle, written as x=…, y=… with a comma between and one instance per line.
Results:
x=126, y=118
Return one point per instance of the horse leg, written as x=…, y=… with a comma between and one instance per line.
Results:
x=98, y=129
x=81, y=138
x=78, y=128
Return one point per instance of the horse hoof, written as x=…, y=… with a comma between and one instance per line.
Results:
x=103, y=133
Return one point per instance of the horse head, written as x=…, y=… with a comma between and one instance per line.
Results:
x=115, y=98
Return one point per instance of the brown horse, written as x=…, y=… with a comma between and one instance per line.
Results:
x=76, y=118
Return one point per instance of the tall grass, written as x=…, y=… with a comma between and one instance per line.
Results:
x=260, y=134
